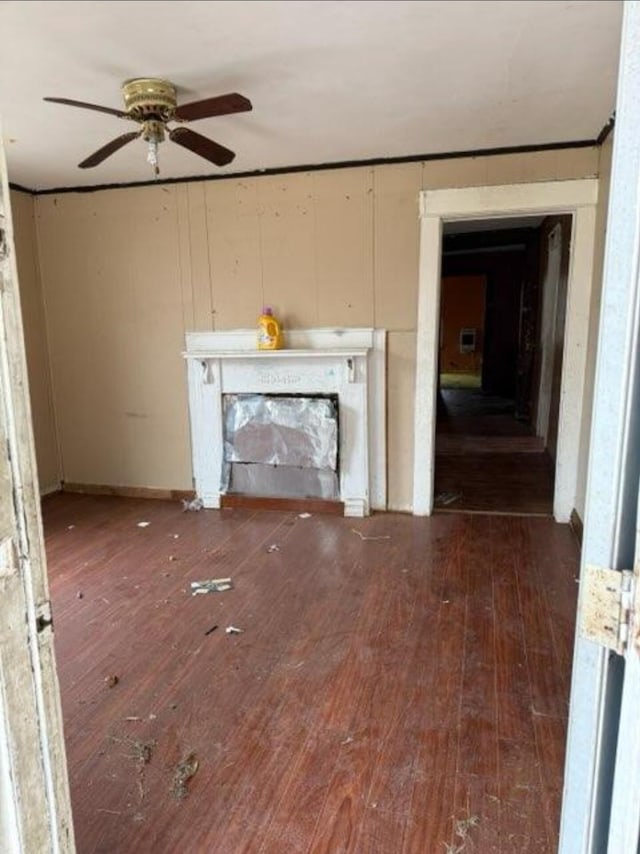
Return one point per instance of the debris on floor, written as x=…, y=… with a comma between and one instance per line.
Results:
x=112, y=681
x=143, y=524
x=462, y=827
x=172, y=557
x=363, y=537
x=133, y=718
x=213, y=585
x=304, y=515
x=232, y=630
x=194, y=504
x=444, y=498
x=273, y=548
x=211, y=630
x=175, y=536
x=79, y=595
x=70, y=527
x=142, y=751
x=183, y=773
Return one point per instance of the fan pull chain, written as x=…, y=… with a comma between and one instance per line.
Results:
x=152, y=157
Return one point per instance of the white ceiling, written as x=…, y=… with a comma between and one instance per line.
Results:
x=329, y=81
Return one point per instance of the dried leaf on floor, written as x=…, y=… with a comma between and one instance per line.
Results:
x=183, y=774
x=142, y=751
x=112, y=680
x=232, y=630
x=462, y=828
x=464, y=825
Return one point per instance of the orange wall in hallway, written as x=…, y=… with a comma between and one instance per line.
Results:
x=462, y=306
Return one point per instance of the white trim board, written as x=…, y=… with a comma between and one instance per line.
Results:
x=578, y=198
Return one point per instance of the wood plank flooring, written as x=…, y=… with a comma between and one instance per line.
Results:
x=489, y=482
x=395, y=695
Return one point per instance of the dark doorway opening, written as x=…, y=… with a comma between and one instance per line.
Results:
x=502, y=318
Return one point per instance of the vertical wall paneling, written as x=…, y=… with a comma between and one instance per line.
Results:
x=287, y=241
x=127, y=272
x=344, y=246
x=184, y=254
x=395, y=245
x=200, y=265
x=233, y=226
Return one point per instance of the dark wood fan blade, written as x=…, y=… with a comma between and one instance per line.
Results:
x=199, y=144
x=222, y=105
x=99, y=109
x=108, y=149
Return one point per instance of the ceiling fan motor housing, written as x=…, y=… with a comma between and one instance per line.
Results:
x=148, y=98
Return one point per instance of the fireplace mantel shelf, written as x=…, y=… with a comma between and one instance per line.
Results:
x=335, y=352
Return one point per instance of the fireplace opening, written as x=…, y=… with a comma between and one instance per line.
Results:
x=281, y=445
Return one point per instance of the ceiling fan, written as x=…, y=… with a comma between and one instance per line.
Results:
x=152, y=103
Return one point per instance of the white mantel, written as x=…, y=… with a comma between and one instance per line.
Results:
x=346, y=362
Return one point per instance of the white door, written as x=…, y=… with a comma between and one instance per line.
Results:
x=601, y=805
x=624, y=829
x=35, y=815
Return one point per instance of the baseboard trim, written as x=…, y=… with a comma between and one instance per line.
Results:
x=50, y=490
x=257, y=502
x=575, y=523
x=128, y=491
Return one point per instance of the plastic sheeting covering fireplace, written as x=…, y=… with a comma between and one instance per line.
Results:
x=281, y=445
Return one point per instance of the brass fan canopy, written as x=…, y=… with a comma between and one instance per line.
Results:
x=149, y=98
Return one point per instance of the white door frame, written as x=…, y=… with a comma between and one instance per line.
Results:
x=575, y=197
x=601, y=804
x=35, y=810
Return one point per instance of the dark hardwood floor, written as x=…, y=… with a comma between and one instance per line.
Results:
x=495, y=482
x=486, y=460
x=405, y=694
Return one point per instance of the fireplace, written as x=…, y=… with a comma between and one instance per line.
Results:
x=281, y=446
x=305, y=421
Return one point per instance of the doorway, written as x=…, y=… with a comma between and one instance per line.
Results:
x=502, y=318
x=438, y=209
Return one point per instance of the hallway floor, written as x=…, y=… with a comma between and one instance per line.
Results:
x=472, y=412
x=402, y=693
x=488, y=461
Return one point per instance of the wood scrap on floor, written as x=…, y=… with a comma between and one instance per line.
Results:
x=213, y=585
x=363, y=537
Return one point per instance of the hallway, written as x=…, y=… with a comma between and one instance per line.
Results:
x=486, y=460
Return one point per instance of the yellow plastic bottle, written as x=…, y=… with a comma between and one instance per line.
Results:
x=269, y=331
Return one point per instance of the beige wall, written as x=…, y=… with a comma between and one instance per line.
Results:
x=126, y=272
x=33, y=315
x=604, y=169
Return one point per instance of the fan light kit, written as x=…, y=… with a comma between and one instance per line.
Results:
x=152, y=103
